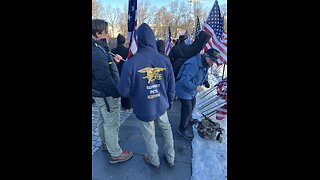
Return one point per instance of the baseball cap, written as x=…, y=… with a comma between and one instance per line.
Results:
x=213, y=54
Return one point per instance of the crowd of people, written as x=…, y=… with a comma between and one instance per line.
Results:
x=148, y=83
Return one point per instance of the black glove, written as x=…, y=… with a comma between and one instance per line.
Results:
x=206, y=84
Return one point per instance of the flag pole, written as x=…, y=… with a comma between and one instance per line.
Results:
x=224, y=65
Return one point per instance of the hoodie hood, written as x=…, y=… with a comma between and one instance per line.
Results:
x=146, y=38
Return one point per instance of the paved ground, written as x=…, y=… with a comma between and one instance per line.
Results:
x=96, y=143
x=135, y=168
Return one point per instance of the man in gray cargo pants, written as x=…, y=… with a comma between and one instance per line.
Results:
x=148, y=133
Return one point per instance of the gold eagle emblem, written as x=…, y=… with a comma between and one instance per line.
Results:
x=152, y=73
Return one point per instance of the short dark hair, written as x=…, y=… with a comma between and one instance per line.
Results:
x=98, y=25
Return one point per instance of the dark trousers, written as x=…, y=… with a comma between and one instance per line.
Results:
x=186, y=113
x=125, y=103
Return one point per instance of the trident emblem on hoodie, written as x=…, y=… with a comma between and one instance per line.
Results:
x=152, y=73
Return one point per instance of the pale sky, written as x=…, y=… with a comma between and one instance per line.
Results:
x=159, y=3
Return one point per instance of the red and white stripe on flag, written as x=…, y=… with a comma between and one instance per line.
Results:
x=214, y=26
x=222, y=92
x=216, y=43
x=221, y=112
x=133, y=44
x=170, y=43
x=168, y=48
x=132, y=25
x=224, y=38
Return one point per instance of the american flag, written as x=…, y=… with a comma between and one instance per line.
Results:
x=221, y=112
x=222, y=92
x=132, y=26
x=198, y=27
x=169, y=44
x=214, y=26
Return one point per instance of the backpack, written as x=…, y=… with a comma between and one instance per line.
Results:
x=209, y=130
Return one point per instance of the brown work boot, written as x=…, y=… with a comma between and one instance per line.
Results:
x=124, y=156
x=147, y=160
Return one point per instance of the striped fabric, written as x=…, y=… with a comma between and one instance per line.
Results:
x=222, y=92
x=132, y=26
x=169, y=44
x=214, y=26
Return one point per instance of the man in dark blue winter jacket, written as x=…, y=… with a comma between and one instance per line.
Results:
x=105, y=79
x=123, y=52
x=147, y=78
x=177, y=51
x=192, y=75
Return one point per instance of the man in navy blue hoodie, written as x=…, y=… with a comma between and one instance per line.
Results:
x=147, y=78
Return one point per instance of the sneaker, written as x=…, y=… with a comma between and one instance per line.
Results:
x=171, y=164
x=147, y=160
x=124, y=156
x=186, y=134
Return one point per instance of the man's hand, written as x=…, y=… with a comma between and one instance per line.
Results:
x=199, y=88
x=117, y=58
